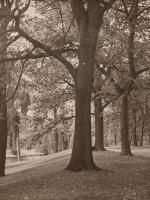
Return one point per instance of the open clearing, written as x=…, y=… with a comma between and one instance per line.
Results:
x=121, y=178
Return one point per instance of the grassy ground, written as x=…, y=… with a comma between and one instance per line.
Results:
x=121, y=178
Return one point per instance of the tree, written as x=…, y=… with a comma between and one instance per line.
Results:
x=99, y=122
x=89, y=17
x=4, y=12
x=119, y=57
x=132, y=11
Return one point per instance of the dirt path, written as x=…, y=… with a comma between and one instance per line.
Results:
x=19, y=166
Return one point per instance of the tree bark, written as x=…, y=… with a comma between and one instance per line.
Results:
x=55, y=131
x=115, y=138
x=132, y=20
x=3, y=106
x=81, y=158
x=18, y=149
x=14, y=141
x=142, y=131
x=134, y=130
x=125, y=144
x=99, y=130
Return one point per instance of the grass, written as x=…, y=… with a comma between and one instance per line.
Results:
x=121, y=178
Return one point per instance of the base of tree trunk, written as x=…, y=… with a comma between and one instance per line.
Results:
x=126, y=154
x=135, y=145
x=79, y=168
x=99, y=149
x=14, y=151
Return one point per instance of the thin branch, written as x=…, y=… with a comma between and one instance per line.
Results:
x=9, y=43
x=125, y=8
x=142, y=70
x=17, y=86
x=118, y=89
x=37, y=136
x=62, y=21
x=70, y=84
x=143, y=10
x=20, y=57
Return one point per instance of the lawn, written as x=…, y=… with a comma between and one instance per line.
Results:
x=120, y=178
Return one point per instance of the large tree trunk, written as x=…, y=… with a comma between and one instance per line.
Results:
x=99, y=130
x=134, y=130
x=3, y=106
x=125, y=144
x=82, y=158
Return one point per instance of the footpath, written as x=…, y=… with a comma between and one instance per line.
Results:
x=19, y=166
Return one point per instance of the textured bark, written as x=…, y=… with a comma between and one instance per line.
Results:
x=15, y=133
x=115, y=138
x=99, y=130
x=134, y=130
x=3, y=106
x=81, y=158
x=55, y=131
x=125, y=144
x=14, y=143
x=142, y=131
x=132, y=21
x=18, y=149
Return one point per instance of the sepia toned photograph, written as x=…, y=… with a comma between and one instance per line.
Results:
x=74, y=99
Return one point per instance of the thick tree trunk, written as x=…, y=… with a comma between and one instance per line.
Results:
x=82, y=148
x=99, y=130
x=125, y=144
x=3, y=106
x=82, y=158
x=134, y=130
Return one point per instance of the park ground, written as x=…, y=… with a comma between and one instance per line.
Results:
x=120, y=178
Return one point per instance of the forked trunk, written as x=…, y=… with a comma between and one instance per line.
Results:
x=125, y=144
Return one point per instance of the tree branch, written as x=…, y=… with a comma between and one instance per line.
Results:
x=125, y=8
x=143, y=10
x=48, y=50
x=118, y=89
x=142, y=70
x=17, y=86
